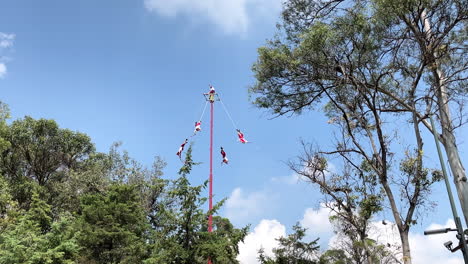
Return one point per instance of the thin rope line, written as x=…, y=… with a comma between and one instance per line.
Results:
x=227, y=113
x=203, y=112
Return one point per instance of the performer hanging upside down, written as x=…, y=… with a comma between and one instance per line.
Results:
x=179, y=153
x=197, y=127
x=225, y=159
x=241, y=137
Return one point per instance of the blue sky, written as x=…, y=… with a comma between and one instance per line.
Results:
x=135, y=71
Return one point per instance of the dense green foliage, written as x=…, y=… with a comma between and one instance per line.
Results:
x=63, y=202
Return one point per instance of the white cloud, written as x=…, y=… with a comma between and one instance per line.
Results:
x=240, y=206
x=430, y=249
x=317, y=222
x=267, y=231
x=6, y=40
x=264, y=236
x=3, y=70
x=424, y=249
x=232, y=16
x=290, y=180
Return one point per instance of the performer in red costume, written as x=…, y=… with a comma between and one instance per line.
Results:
x=197, y=127
x=241, y=137
x=179, y=153
x=225, y=159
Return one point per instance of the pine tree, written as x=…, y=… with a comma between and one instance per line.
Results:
x=35, y=239
x=112, y=226
x=182, y=235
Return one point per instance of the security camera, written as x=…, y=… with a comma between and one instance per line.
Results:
x=448, y=245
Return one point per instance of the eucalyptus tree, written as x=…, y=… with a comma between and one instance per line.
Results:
x=420, y=47
x=429, y=40
x=349, y=59
x=352, y=195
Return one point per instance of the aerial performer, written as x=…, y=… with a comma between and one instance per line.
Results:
x=179, y=153
x=212, y=93
x=241, y=137
x=225, y=159
x=197, y=127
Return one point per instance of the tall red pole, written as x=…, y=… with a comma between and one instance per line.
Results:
x=210, y=218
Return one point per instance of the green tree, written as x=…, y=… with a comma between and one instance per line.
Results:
x=341, y=56
x=149, y=182
x=223, y=243
x=181, y=234
x=334, y=256
x=63, y=202
x=428, y=41
x=4, y=115
x=112, y=226
x=90, y=178
x=352, y=195
x=8, y=207
x=292, y=250
x=35, y=239
x=39, y=151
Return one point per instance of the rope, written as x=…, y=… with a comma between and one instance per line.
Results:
x=203, y=112
x=200, y=119
x=227, y=113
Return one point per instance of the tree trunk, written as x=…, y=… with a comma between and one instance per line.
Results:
x=405, y=246
x=450, y=146
x=367, y=253
x=448, y=137
x=401, y=227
